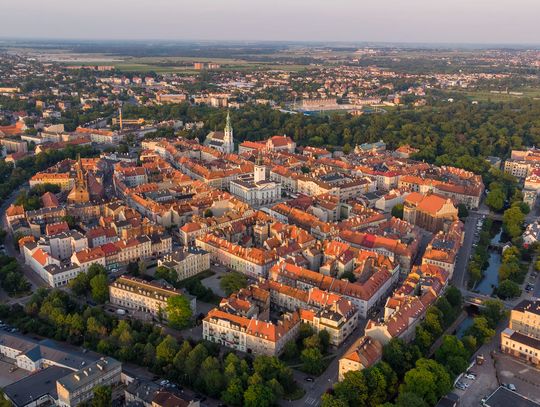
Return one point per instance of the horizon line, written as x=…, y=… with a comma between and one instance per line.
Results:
x=384, y=43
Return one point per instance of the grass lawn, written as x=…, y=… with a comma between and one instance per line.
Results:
x=200, y=276
x=297, y=364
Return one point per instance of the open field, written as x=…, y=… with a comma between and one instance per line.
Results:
x=483, y=95
x=174, y=64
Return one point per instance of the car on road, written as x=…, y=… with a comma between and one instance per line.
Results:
x=309, y=379
x=460, y=386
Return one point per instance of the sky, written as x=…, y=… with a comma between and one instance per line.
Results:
x=424, y=21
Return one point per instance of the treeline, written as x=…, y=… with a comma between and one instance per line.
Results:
x=479, y=261
x=405, y=377
x=458, y=133
x=13, y=177
x=258, y=382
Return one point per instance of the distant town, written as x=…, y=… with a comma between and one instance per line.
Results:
x=334, y=233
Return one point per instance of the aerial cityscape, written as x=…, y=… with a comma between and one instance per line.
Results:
x=268, y=219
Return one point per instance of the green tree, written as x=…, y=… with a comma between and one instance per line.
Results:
x=232, y=282
x=428, y=380
x=194, y=360
x=178, y=311
x=102, y=396
x=352, y=388
x=513, y=220
x=463, y=212
x=376, y=384
x=470, y=343
x=141, y=267
x=452, y=354
x=312, y=360
x=495, y=199
x=480, y=330
x=408, y=399
x=258, y=395
x=100, y=288
x=290, y=351
x=211, y=377
x=324, y=340
x=166, y=274
x=493, y=311
x=397, y=211
x=400, y=356
x=166, y=350
x=312, y=341
x=234, y=393
x=328, y=400
x=454, y=297
x=508, y=289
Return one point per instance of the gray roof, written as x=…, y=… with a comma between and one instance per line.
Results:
x=143, y=390
x=45, y=349
x=87, y=375
x=502, y=397
x=35, y=386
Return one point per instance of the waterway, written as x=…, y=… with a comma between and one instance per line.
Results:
x=467, y=322
x=491, y=275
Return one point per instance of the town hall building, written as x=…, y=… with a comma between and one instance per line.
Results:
x=255, y=189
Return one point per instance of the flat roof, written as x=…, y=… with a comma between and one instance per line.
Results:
x=35, y=386
x=502, y=397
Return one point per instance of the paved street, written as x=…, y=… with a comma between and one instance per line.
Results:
x=460, y=271
x=32, y=277
x=315, y=390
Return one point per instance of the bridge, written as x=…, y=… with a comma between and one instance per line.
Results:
x=477, y=299
x=497, y=246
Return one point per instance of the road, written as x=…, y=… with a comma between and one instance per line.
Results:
x=460, y=270
x=35, y=280
x=536, y=291
x=316, y=389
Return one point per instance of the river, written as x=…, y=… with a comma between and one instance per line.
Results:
x=490, y=280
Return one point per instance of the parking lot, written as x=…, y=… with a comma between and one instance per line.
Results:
x=484, y=384
x=525, y=377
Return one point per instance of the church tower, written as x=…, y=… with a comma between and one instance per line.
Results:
x=79, y=193
x=259, y=173
x=228, y=139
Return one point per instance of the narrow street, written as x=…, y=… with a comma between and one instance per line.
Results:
x=316, y=389
x=31, y=276
x=459, y=279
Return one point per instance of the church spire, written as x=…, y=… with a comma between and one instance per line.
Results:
x=80, y=175
x=228, y=126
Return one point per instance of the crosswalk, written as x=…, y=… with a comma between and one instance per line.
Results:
x=310, y=401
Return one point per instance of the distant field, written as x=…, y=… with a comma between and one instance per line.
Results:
x=501, y=97
x=183, y=64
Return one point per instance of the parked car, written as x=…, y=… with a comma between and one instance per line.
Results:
x=460, y=386
x=470, y=376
